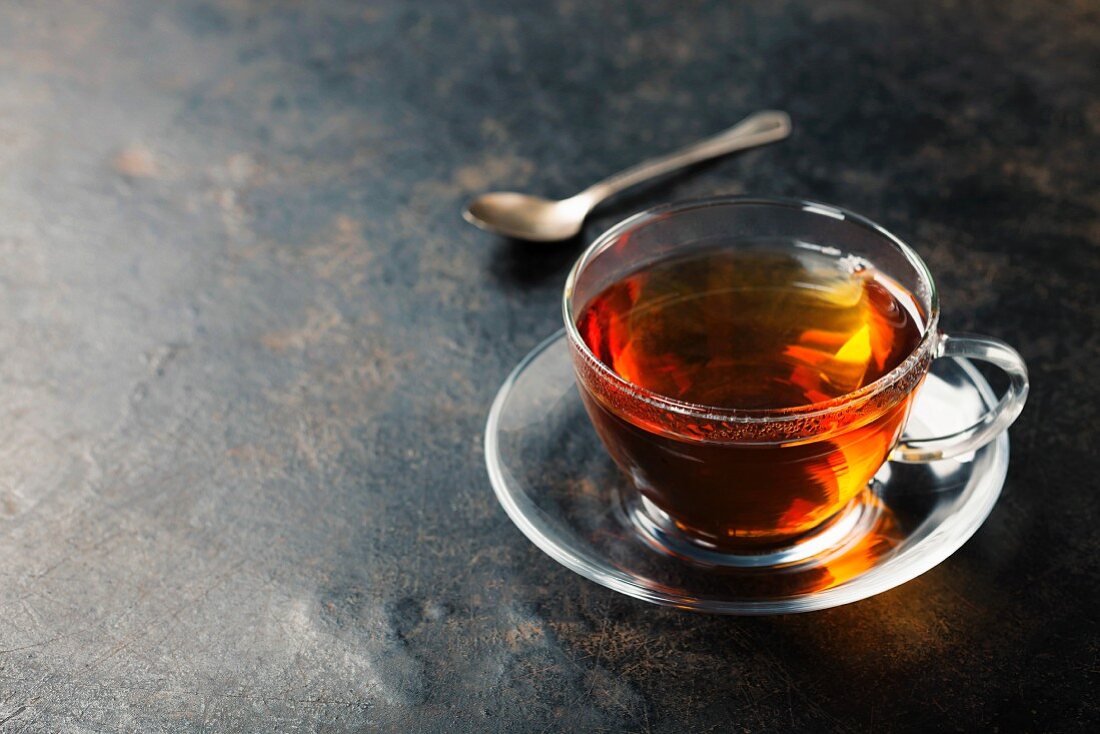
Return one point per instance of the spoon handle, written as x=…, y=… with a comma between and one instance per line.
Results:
x=757, y=129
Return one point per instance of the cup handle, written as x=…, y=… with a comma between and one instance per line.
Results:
x=996, y=420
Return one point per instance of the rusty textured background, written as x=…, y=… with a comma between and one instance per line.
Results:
x=247, y=348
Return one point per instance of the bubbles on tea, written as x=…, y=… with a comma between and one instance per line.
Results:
x=854, y=264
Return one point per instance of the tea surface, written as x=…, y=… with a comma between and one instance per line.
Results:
x=773, y=327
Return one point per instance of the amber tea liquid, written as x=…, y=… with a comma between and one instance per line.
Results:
x=777, y=325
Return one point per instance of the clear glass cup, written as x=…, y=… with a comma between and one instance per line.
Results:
x=721, y=485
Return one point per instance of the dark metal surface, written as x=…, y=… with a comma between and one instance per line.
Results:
x=248, y=347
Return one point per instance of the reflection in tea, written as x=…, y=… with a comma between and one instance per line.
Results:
x=778, y=325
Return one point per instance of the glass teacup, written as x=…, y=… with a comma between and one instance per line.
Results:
x=768, y=483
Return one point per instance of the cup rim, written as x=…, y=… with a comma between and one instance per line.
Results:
x=756, y=415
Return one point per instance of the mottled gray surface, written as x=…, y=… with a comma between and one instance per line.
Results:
x=248, y=348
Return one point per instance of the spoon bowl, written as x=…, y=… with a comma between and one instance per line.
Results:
x=527, y=217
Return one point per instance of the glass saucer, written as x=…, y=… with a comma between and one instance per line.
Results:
x=559, y=486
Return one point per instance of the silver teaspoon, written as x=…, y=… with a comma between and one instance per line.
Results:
x=544, y=220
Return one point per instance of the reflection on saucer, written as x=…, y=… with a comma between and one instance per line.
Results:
x=868, y=546
x=864, y=553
